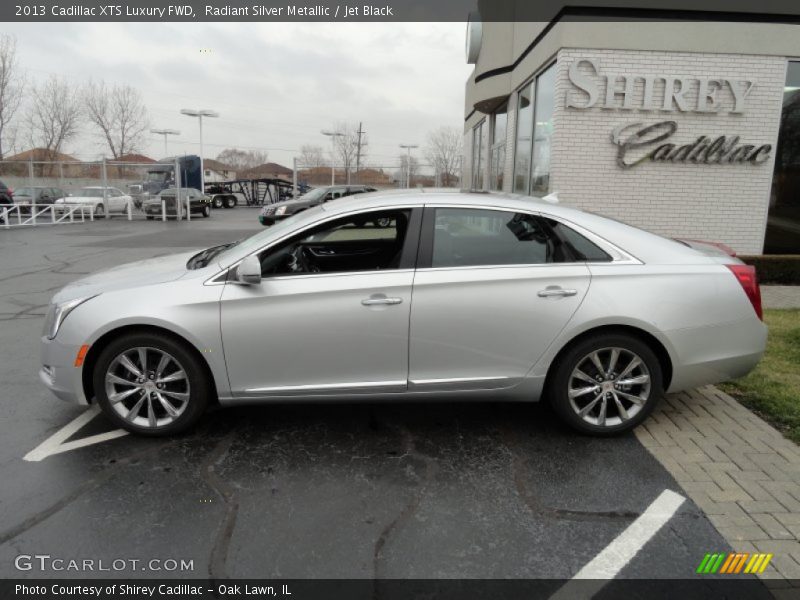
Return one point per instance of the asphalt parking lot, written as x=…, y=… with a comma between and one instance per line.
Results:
x=306, y=491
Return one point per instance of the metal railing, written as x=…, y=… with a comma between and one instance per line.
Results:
x=37, y=214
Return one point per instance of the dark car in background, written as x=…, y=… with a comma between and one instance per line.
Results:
x=280, y=210
x=199, y=204
x=6, y=198
x=37, y=195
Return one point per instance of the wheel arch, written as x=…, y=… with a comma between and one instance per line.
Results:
x=104, y=340
x=658, y=348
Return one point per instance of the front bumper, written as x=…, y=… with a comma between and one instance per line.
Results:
x=59, y=373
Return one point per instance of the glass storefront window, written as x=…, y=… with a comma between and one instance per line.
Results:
x=543, y=131
x=522, y=150
x=783, y=223
x=497, y=156
x=478, y=155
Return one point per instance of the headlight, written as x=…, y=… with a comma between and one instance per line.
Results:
x=57, y=314
x=281, y=210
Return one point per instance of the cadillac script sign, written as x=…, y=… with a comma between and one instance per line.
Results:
x=640, y=142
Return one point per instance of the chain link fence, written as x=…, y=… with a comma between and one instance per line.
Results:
x=389, y=176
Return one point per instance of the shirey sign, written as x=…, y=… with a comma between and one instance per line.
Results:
x=639, y=142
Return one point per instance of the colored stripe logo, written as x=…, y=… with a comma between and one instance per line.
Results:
x=732, y=563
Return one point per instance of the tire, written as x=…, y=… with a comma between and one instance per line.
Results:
x=384, y=222
x=149, y=218
x=206, y=211
x=100, y=211
x=187, y=395
x=577, y=363
x=230, y=201
x=217, y=201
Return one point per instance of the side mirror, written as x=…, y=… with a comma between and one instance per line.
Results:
x=249, y=271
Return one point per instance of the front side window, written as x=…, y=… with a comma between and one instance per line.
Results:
x=370, y=241
x=466, y=237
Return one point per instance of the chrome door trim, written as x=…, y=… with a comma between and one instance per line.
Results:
x=328, y=386
x=456, y=380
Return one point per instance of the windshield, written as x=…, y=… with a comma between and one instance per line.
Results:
x=262, y=237
x=24, y=192
x=156, y=175
x=313, y=195
x=172, y=192
x=90, y=192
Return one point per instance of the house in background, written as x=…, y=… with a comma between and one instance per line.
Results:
x=267, y=171
x=217, y=171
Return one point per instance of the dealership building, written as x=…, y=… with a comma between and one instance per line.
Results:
x=682, y=127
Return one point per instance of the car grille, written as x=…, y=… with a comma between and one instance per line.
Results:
x=269, y=210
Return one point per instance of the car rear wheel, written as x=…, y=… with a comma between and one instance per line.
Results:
x=217, y=201
x=230, y=201
x=100, y=211
x=606, y=384
x=150, y=384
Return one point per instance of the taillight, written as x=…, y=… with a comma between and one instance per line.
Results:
x=746, y=274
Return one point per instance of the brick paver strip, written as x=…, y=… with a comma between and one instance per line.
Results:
x=739, y=469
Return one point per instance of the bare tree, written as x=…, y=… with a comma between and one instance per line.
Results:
x=347, y=146
x=312, y=157
x=119, y=114
x=54, y=115
x=242, y=159
x=11, y=86
x=443, y=151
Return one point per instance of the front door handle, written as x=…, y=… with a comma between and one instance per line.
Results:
x=555, y=291
x=380, y=300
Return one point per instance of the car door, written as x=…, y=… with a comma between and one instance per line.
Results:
x=491, y=292
x=330, y=315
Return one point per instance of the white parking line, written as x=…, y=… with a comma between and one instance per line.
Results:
x=56, y=444
x=620, y=552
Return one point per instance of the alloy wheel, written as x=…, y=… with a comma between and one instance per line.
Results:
x=147, y=387
x=609, y=386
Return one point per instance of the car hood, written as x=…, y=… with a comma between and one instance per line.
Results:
x=135, y=274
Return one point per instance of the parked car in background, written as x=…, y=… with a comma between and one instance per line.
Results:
x=462, y=296
x=280, y=210
x=199, y=204
x=40, y=195
x=113, y=201
x=6, y=197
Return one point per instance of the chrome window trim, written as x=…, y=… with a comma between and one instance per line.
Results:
x=280, y=240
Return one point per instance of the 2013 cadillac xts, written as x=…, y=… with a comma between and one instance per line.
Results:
x=455, y=295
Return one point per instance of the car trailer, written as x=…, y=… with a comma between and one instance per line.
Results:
x=256, y=192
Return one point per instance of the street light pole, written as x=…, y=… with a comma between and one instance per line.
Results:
x=333, y=135
x=408, y=148
x=165, y=133
x=200, y=114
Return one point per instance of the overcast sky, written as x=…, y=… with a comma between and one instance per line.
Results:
x=275, y=85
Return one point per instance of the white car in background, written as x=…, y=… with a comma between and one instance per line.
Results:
x=113, y=201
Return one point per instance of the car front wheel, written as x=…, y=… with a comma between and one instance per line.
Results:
x=206, y=211
x=150, y=384
x=606, y=384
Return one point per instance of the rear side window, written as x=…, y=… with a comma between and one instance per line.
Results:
x=465, y=237
x=580, y=247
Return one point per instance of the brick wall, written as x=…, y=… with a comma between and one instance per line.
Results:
x=726, y=203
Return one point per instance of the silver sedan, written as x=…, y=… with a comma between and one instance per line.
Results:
x=409, y=296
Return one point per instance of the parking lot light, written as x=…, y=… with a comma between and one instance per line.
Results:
x=203, y=112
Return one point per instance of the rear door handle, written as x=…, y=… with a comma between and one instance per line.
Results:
x=549, y=292
x=379, y=301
